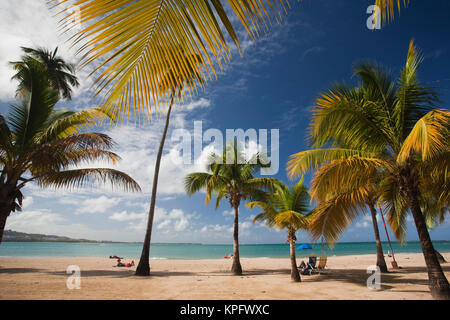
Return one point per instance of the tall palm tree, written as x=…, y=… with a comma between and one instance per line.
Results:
x=168, y=79
x=393, y=127
x=230, y=176
x=60, y=74
x=128, y=40
x=41, y=144
x=286, y=208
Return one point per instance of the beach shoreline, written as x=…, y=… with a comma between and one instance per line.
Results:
x=346, y=277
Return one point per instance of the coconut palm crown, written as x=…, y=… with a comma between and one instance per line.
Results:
x=230, y=176
x=45, y=145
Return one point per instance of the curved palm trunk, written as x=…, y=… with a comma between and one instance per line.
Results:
x=381, y=263
x=236, y=267
x=143, y=268
x=437, y=282
x=295, y=275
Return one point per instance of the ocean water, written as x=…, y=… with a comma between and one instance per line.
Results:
x=195, y=251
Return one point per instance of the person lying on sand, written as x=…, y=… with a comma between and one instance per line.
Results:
x=115, y=257
x=121, y=264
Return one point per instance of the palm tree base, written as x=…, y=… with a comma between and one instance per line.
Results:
x=236, y=269
x=295, y=277
x=143, y=269
x=383, y=268
x=440, y=293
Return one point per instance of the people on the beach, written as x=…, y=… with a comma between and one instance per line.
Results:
x=306, y=267
x=229, y=256
x=121, y=264
x=115, y=257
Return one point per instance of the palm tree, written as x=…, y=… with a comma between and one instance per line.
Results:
x=128, y=40
x=168, y=79
x=60, y=74
x=286, y=208
x=230, y=176
x=393, y=127
x=41, y=144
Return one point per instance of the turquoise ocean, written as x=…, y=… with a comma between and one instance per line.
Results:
x=196, y=251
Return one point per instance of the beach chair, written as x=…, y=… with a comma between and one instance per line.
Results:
x=321, y=267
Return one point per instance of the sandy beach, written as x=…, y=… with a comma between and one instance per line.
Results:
x=263, y=278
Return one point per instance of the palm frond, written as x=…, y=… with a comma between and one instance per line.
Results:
x=428, y=138
x=413, y=99
x=330, y=218
x=345, y=173
x=81, y=177
x=388, y=8
x=194, y=182
x=29, y=117
x=63, y=123
x=344, y=116
x=304, y=161
x=140, y=41
x=291, y=220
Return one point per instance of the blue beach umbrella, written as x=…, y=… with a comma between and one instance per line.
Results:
x=304, y=246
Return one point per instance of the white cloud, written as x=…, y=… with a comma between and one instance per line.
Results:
x=27, y=23
x=27, y=202
x=125, y=216
x=228, y=213
x=50, y=223
x=96, y=205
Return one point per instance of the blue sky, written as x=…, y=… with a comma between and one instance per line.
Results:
x=273, y=86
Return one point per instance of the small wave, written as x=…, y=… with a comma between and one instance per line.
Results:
x=158, y=258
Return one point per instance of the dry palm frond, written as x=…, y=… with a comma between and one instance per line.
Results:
x=331, y=217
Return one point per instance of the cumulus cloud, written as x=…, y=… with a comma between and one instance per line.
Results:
x=125, y=216
x=95, y=205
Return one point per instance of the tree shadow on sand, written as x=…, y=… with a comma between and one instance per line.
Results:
x=389, y=280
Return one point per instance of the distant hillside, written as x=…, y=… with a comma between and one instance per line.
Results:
x=10, y=235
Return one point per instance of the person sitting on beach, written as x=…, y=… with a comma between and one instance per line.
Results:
x=312, y=260
x=302, y=265
x=128, y=265
x=305, y=267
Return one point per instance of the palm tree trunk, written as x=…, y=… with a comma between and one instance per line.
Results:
x=440, y=257
x=3, y=217
x=295, y=275
x=381, y=263
x=437, y=282
x=236, y=267
x=6, y=204
x=143, y=268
